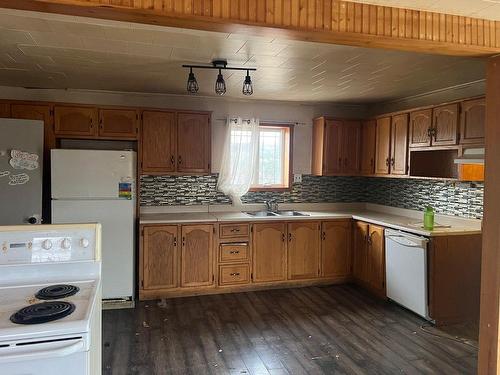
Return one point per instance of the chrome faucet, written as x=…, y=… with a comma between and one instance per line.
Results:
x=271, y=205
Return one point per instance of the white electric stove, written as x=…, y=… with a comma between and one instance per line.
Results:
x=50, y=299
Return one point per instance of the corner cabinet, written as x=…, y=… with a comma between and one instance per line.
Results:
x=175, y=143
x=336, y=249
x=336, y=145
x=175, y=258
x=369, y=257
x=472, y=121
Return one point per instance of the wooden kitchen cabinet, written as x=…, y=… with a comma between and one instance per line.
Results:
x=197, y=255
x=445, y=125
x=360, y=251
x=5, y=110
x=118, y=123
x=472, y=121
x=369, y=256
x=269, y=252
x=175, y=142
x=72, y=121
x=420, y=128
x=367, y=150
x=399, y=145
x=160, y=257
x=193, y=142
x=376, y=259
x=336, y=248
x=158, y=142
x=336, y=146
x=303, y=250
x=383, y=146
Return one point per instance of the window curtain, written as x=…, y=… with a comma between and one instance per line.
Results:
x=239, y=159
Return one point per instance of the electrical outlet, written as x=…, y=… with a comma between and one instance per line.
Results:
x=297, y=178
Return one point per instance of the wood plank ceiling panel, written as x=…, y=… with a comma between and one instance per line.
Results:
x=334, y=21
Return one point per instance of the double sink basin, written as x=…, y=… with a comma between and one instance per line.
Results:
x=274, y=214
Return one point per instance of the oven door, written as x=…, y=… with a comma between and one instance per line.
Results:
x=67, y=356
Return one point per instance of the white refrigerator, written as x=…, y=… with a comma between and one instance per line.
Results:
x=99, y=186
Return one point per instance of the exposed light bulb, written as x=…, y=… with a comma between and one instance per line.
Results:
x=220, y=84
x=247, y=85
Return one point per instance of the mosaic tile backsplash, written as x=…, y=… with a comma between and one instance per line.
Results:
x=459, y=199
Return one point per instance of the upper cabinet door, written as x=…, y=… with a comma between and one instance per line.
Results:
x=332, y=150
x=445, y=125
x=383, y=146
x=303, y=250
x=75, y=121
x=399, y=144
x=118, y=123
x=193, y=142
x=368, y=135
x=472, y=121
x=5, y=110
x=420, y=128
x=158, y=142
x=350, y=146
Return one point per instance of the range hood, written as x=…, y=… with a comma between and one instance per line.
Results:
x=471, y=156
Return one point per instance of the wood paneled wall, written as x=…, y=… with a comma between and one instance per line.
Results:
x=333, y=21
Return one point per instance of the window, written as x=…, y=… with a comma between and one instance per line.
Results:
x=274, y=158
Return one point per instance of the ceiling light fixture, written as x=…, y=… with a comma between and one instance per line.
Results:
x=220, y=84
x=192, y=84
x=247, y=85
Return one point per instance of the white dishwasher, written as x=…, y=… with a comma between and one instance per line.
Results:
x=406, y=270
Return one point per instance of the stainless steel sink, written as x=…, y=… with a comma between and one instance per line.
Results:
x=261, y=213
x=291, y=213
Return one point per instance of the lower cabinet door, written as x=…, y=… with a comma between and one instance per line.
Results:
x=335, y=248
x=160, y=257
x=197, y=255
x=360, y=248
x=269, y=252
x=303, y=250
x=376, y=258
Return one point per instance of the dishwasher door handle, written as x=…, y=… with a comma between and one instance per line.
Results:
x=405, y=242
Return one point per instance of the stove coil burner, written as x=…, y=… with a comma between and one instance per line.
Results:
x=57, y=291
x=42, y=312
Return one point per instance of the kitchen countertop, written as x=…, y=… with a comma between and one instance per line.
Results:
x=399, y=219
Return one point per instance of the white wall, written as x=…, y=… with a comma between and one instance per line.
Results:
x=221, y=107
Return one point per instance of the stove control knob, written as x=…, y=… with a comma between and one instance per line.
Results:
x=66, y=243
x=47, y=244
x=84, y=243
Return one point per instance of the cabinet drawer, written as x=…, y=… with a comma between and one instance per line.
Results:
x=233, y=252
x=234, y=274
x=234, y=230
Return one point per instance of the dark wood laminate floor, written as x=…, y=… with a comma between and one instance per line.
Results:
x=315, y=330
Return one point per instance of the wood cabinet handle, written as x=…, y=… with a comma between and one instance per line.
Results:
x=235, y=230
x=234, y=274
x=323, y=236
x=172, y=160
x=175, y=241
x=283, y=237
x=180, y=159
x=183, y=241
x=289, y=237
x=234, y=252
x=387, y=162
x=393, y=162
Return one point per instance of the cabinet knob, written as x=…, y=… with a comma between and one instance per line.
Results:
x=323, y=236
x=234, y=274
x=180, y=159
x=283, y=237
x=289, y=237
x=393, y=162
x=172, y=159
x=387, y=162
x=234, y=252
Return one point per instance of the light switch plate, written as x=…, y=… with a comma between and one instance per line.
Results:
x=297, y=178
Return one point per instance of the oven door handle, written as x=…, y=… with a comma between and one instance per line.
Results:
x=28, y=352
